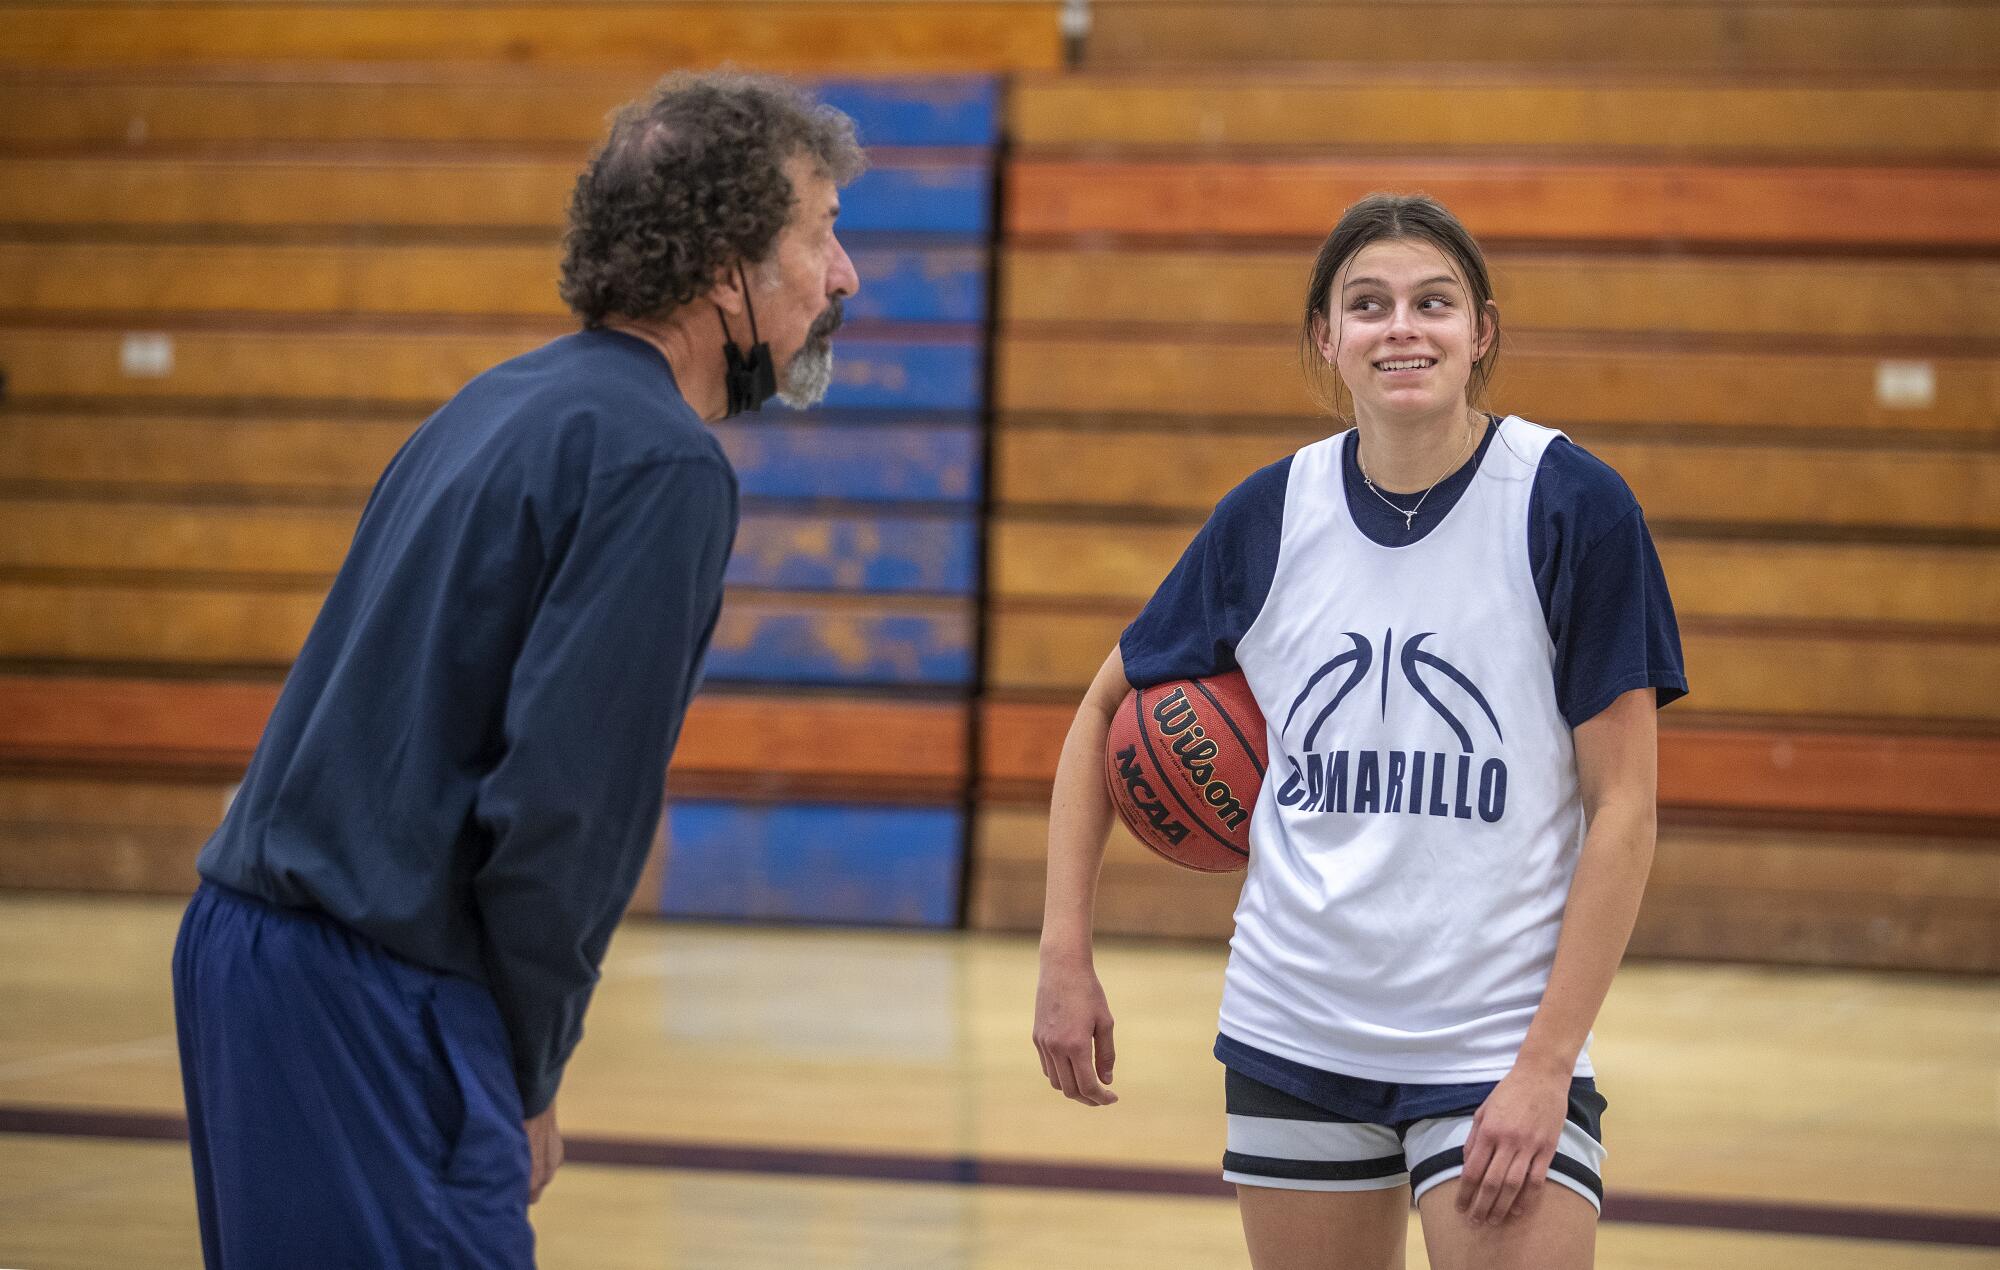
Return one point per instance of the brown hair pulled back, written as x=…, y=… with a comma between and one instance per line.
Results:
x=1385, y=218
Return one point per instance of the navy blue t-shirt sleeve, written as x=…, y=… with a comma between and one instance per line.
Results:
x=1189, y=629
x=593, y=710
x=1601, y=586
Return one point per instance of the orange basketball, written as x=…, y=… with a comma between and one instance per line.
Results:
x=1183, y=766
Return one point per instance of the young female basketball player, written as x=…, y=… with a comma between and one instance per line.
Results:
x=1458, y=631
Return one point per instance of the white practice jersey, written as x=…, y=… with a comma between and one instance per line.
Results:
x=1414, y=840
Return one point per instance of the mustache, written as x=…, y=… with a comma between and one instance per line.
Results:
x=826, y=323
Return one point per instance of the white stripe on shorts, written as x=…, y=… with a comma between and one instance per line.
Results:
x=1428, y=1138
x=1314, y=1142
x=1310, y=1139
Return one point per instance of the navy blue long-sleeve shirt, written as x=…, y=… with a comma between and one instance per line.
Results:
x=466, y=764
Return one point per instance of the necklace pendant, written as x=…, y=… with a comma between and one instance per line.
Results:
x=1408, y=518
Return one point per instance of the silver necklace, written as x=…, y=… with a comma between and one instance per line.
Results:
x=1409, y=514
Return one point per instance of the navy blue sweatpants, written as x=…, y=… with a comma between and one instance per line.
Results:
x=345, y=1107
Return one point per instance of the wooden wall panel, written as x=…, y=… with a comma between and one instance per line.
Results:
x=1352, y=107
x=904, y=554
x=99, y=722
x=1185, y=470
x=1731, y=669
x=485, y=279
x=419, y=367
x=930, y=192
x=1908, y=207
x=450, y=103
x=1925, y=37
x=766, y=743
x=100, y=834
x=68, y=534
x=774, y=637
x=415, y=369
x=783, y=35
x=1815, y=899
x=1555, y=382
x=1875, y=932
x=516, y=193
x=215, y=627
x=784, y=549
x=872, y=459
x=1250, y=108
x=181, y=105
x=766, y=637
x=1824, y=899
x=1138, y=893
x=1888, y=300
x=1836, y=582
x=944, y=284
x=1520, y=200
x=1888, y=677
x=1120, y=566
x=270, y=459
x=812, y=862
x=1705, y=764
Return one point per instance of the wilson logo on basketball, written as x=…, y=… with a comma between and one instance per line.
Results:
x=1196, y=753
x=1184, y=762
x=1413, y=782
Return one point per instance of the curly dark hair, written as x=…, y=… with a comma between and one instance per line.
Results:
x=690, y=182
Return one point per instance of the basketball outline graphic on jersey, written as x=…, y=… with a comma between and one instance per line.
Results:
x=1414, y=656
x=1321, y=782
x=1362, y=657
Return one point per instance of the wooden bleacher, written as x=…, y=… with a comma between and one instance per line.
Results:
x=1828, y=38
x=796, y=36
x=276, y=243
x=1717, y=284
x=1722, y=230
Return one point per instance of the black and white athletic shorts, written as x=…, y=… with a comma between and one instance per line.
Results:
x=1280, y=1141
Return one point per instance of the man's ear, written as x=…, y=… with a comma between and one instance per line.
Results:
x=725, y=292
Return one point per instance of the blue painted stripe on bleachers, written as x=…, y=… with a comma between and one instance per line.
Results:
x=923, y=198
x=875, y=374
x=934, y=555
x=867, y=463
x=929, y=111
x=814, y=862
x=888, y=642
x=909, y=284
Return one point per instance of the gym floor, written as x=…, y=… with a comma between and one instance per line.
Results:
x=752, y=1097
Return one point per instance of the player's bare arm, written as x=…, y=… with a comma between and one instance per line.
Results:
x=1514, y=1134
x=1072, y=1019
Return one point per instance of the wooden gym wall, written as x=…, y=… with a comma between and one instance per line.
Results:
x=1771, y=300
x=1755, y=271
x=245, y=249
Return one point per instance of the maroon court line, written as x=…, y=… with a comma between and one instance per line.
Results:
x=1839, y=1222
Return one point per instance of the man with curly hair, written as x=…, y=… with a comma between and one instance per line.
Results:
x=404, y=909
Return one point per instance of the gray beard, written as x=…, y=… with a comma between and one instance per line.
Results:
x=810, y=374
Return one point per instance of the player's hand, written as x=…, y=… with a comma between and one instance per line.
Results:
x=1073, y=1031
x=545, y=1151
x=1513, y=1138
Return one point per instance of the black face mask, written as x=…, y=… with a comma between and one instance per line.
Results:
x=753, y=380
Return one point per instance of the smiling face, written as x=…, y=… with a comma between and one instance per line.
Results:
x=798, y=290
x=1403, y=331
